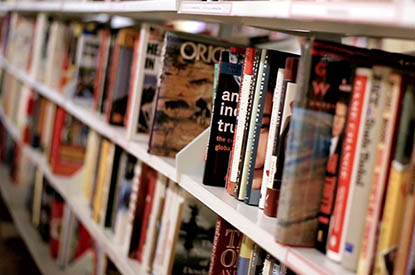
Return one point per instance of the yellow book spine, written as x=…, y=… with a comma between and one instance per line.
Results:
x=100, y=180
x=392, y=217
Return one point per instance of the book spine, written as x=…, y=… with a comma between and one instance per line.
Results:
x=382, y=165
x=56, y=137
x=271, y=137
x=241, y=119
x=245, y=254
x=112, y=76
x=251, y=125
x=133, y=80
x=253, y=192
x=362, y=176
x=392, y=219
x=410, y=266
x=360, y=96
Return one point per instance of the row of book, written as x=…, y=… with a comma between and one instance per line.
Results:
x=329, y=136
x=153, y=81
x=152, y=220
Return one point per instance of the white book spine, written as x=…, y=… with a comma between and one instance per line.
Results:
x=273, y=124
x=240, y=127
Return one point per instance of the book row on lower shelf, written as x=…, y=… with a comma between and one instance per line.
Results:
x=322, y=141
x=150, y=218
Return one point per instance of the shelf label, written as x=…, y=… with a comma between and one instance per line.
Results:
x=206, y=8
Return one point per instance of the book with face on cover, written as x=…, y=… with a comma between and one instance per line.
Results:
x=184, y=96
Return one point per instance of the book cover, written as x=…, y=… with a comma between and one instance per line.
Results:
x=144, y=79
x=117, y=98
x=184, y=96
x=226, y=245
x=398, y=181
x=68, y=144
x=223, y=117
x=322, y=70
x=242, y=117
x=193, y=238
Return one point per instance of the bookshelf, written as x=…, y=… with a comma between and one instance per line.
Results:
x=249, y=220
x=387, y=20
x=70, y=190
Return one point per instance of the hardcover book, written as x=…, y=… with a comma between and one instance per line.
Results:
x=184, y=96
x=223, y=117
x=226, y=245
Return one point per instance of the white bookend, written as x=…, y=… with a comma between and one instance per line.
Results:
x=191, y=159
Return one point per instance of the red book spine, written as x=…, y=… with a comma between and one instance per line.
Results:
x=347, y=162
x=225, y=251
x=131, y=91
x=248, y=69
x=56, y=138
x=113, y=75
x=101, y=68
x=55, y=226
x=84, y=242
x=146, y=217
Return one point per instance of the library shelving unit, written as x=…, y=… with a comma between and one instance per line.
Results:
x=305, y=18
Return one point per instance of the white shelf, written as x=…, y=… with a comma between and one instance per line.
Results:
x=248, y=219
x=339, y=17
x=13, y=196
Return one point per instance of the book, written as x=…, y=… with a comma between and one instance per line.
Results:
x=147, y=180
x=47, y=197
x=260, y=118
x=193, y=237
x=117, y=97
x=87, y=54
x=103, y=178
x=245, y=254
x=405, y=246
x=236, y=156
x=126, y=208
x=91, y=160
x=359, y=102
x=68, y=144
x=183, y=103
x=56, y=215
x=322, y=69
x=144, y=79
x=398, y=180
x=226, y=245
x=388, y=135
x=148, y=240
x=223, y=117
x=103, y=64
x=282, y=117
